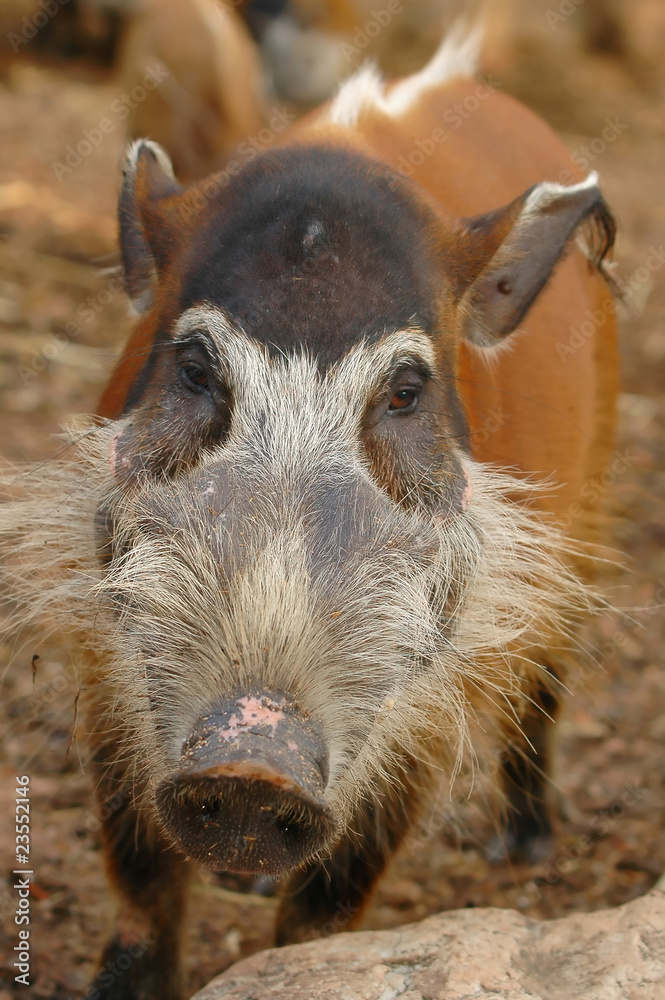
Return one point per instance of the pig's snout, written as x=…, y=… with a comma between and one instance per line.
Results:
x=249, y=793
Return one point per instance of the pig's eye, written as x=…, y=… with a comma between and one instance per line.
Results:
x=193, y=377
x=403, y=401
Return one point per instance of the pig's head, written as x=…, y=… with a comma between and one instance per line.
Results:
x=303, y=573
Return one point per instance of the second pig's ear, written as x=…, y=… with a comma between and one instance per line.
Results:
x=145, y=229
x=506, y=257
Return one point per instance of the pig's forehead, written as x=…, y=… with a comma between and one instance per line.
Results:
x=313, y=248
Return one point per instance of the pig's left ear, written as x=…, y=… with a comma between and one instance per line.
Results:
x=144, y=218
x=506, y=257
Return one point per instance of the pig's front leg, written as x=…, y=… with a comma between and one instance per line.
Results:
x=141, y=961
x=330, y=896
x=525, y=768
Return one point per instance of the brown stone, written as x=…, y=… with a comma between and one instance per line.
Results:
x=614, y=954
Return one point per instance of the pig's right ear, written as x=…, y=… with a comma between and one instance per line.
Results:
x=148, y=183
x=506, y=257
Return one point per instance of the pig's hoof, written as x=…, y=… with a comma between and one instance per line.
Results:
x=528, y=846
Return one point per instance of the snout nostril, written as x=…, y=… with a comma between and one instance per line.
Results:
x=209, y=808
x=288, y=829
x=291, y=826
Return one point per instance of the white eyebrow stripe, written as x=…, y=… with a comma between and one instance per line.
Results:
x=247, y=365
x=367, y=366
x=208, y=317
x=235, y=351
x=409, y=341
x=223, y=330
x=377, y=359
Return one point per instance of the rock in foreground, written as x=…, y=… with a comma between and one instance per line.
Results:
x=609, y=955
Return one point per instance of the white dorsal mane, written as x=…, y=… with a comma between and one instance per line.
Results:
x=456, y=56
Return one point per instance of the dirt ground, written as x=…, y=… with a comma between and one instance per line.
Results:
x=63, y=319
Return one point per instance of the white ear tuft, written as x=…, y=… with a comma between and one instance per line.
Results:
x=545, y=194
